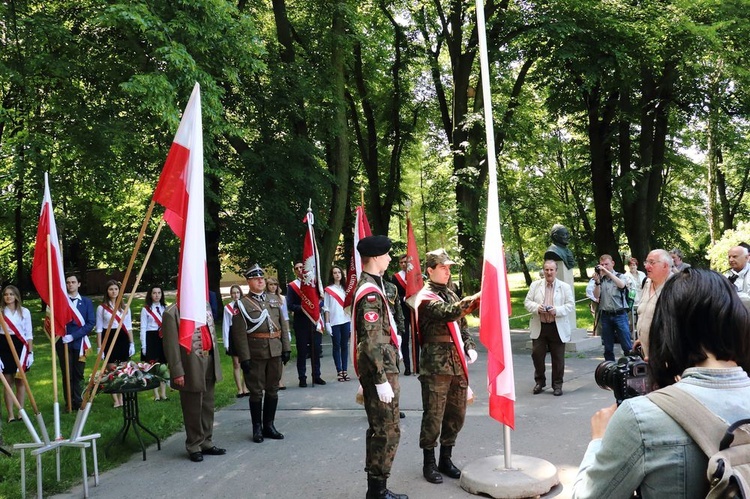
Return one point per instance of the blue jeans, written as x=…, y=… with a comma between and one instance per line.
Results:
x=341, y=335
x=611, y=325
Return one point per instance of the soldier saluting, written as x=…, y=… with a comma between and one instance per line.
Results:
x=377, y=365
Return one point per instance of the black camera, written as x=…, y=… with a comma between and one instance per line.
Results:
x=598, y=269
x=627, y=378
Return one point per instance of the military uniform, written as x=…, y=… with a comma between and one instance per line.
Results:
x=260, y=338
x=391, y=292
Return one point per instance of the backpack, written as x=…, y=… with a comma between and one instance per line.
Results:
x=727, y=448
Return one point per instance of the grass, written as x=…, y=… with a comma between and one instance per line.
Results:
x=163, y=418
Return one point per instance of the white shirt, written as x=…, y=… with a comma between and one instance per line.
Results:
x=21, y=318
x=336, y=313
x=103, y=317
x=148, y=323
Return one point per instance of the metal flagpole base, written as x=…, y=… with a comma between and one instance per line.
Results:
x=528, y=477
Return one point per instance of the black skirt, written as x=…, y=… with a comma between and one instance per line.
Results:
x=9, y=363
x=154, y=348
x=122, y=345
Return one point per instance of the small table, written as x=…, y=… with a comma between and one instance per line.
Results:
x=131, y=416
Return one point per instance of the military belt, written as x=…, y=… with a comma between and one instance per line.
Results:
x=265, y=336
x=383, y=339
x=438, y=339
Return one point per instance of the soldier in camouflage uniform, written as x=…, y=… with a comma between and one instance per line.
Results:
x=260, y=339
x=446, y=349
x=377, y=365
x=391, y=292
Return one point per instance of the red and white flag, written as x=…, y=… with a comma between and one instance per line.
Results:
x=310, y=285
x=494, y=310
x=361, y=230
x=180, y=191
x=414, y=281
x=64, y=310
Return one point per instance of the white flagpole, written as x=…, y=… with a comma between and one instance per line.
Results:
x=491, y=160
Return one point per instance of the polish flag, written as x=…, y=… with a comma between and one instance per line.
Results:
x=361, y=230
x=180, y=191
x=310, y=286
x=494, y=309
x=414, y=281
x=64, y=310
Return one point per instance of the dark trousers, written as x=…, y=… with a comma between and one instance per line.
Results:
x=198, y=415
x=74, y=371
x=406, y=338
x=384, y=430
x=341, y=335
x=444, y=409
x=304, y=339
x=548, y=341
x=264, y=374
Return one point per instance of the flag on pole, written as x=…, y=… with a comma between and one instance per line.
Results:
x=494, y=309
x=414, y=281
x=180, y=191
x=310, y=286
x=361, y=230
x=65, y=311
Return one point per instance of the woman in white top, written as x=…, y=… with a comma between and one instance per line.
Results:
x=272, y=286
x=124, y=348
x=230, y=310
x=152, y=348
x=18, y=320
x=338, y=321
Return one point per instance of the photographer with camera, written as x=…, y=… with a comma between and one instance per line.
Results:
x=611, y=291
x=699, y=343
x=549, y=301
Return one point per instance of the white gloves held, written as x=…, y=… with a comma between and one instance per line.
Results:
x=29, y=360
x=329, y=329
x=67, y=338
x=385, y=392
x=131, y=350
x=472, y=356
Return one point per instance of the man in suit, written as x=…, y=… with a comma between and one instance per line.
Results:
x=74, y=336
x=309, y=341
x=549, y=301
x=194, y=373
x=260, y=338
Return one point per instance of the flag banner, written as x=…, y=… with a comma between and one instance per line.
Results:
x=361, y=230
x=310, y=286
x=494, y=309
x=64, y=310
x=414, y=281
x=180, y=191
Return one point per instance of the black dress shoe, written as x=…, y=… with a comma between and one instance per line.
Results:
x=537, y=389
x=557, y=392
x=401, y=415
x=214, y=451
x=196, y=457
x=407, y=372
x=319, y=381
x=303, y=383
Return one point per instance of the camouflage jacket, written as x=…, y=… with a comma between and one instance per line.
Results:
x=433, y=319
x=376, y=354
x=391, y=291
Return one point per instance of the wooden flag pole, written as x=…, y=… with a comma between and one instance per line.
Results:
x=21, y=411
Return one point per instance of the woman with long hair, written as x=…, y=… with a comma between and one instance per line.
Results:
x=124, y=348
x=272, y=286
x=230, y=310
x=337, y=321
x=18, y=320
x=152, y=348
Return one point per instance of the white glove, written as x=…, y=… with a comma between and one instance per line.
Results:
x=2, y=366
x=329, y=329
x=143, y=348
x=385, y=392
x=67, y=338
x=399, y=339
x=131, y=350
x=472, y=355
x=29, y=360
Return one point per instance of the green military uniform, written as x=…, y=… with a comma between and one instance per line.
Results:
x=377, y=362
x=391, y=292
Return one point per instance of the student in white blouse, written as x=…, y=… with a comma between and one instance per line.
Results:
x=337, y=321
x=18, y=321
x=152, y=347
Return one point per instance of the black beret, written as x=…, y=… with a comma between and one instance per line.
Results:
x=254, y=271
x=374, y=245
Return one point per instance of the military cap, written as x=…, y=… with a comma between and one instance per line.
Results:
x=254, y=271
x=436, y=257
x=373, y=246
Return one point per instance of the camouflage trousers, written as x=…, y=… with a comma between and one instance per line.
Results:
x=384, y=432
x=444, y=405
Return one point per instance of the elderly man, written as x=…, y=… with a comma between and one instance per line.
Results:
x=611, y=291
x=658, y=269
x=677, y=264
x=737, y=273
x=549, y=301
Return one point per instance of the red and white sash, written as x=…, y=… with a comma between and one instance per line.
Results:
x=363, y=290
x=401, y=278
x=25, y=350
x=231, y=309
x=295, y=286
x=334, y=293
x=118, y=316
x=427, y=295
x=157, y=319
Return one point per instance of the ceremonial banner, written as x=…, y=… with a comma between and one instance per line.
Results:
x=494, y=309
x=180, y=191
x=310, y=286
x=65, y=311
x=414, y=281
x=361, y=230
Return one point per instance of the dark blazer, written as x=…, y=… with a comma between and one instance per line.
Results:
x=301, y=322
x=86, y=307
x=194, y=365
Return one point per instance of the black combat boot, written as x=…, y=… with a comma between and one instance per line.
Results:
x=255, y=415
x=269, y=414
x=377, y=489
x=429, y=469
x=445, y=465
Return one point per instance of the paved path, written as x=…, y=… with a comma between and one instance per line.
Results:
x=322, y=455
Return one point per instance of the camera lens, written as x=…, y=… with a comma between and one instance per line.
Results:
x=604, y=374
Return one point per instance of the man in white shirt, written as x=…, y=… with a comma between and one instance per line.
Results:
x=737, y=274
